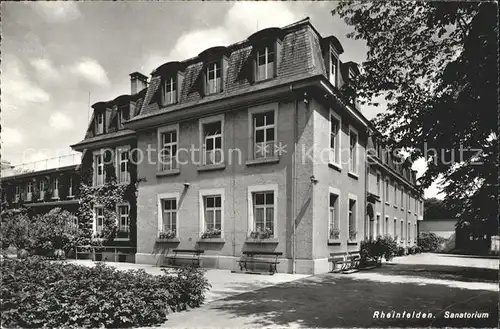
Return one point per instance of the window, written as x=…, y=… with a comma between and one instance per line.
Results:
x=29, y=191
x=263, y=209
x=98, y=168
x=99, y=219
x=408, y=234
x=401, y=231
x=168, y=153
x=17, y=193
x=213, y=213
x=335, y=124
x=415, y=234
x=395, y=228
x=402, y=197
x=265, y=63
x=123, y=170
x=42, y=189
x=212, y=136
x=371, y=227
x=395, y=194
x=264, y=134
x=352, y=219
x=353, y=152
x=169, y=95
x=378, y=185
x=333, y=217
x=377, y=230
x=214, y=81
x=123, y=222
x=169, y=215
x=99, y=123
x=55, y=188
x=123, y=116
x=70, y=187
x=386, y=225
x=387, y=191
x=333, y=68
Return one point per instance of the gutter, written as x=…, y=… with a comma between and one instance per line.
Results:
x=294, y=179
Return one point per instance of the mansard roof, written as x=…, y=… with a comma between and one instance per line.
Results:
x=301, y=57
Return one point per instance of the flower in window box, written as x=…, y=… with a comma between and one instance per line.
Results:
x=352, y=235
x=211, y=233
x=167, y=235
x=334, y=234
x=261, y=234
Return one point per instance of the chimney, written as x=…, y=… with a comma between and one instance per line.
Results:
x=138, y=82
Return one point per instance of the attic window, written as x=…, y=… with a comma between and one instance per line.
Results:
x=213, y=78
x=169, y=92
x=333, y=67
x=265, y=63
x=123, y=116
x=99, y=123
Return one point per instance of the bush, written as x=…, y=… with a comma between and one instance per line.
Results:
x=15, y=229
x=54, y=230
x=401, y=251
x=39, y=293
x=383, y=246
x=429, y=242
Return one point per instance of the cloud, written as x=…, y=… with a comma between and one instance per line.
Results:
x=239, y=23
x=11, y=136
x=57, y=11
x=91, y=71
x=44, y=69
x=61, y=122
x=17, y=89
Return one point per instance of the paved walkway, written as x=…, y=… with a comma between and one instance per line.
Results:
x=448, y=260
x=224, y=283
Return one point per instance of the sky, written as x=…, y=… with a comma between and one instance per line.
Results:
x=57, y=58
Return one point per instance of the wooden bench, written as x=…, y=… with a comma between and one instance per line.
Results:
x=190, y=254
x=347, y=261
x=93, y=251
x=263, y=257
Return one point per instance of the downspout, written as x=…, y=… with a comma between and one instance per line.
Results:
x=294, y=180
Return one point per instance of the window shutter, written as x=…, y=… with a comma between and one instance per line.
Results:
x=203, y=81
x=180, y=80
x=277, y=56
x=224, y=69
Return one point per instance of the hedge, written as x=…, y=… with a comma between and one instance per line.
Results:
x=38, y=293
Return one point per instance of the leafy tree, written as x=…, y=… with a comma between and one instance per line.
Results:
x=15, y=229
x=436, y=209
x=435, y=65
x=55, y=230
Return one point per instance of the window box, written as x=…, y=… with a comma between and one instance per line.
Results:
x=122, y=235
x=259, y=161
x=212, y=167
x=334, y=242
x=211, y=234
x=352, y=243
x=352, y=175
x=171, y=172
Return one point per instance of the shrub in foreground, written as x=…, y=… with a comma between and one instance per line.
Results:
x=39, y=293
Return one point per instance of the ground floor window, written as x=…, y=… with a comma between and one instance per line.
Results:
x=401, y=231
x=377, y=230
x=99, y=219
x=395, y=228
x=333, y=222
x=213, y=213
x=123, y=221
x=386, y=226
x=169, y=216
x=264, y=211
x=352, y=219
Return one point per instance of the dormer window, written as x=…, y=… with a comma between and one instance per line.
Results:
x=333, y=68
x=123, y=116
x=99, y=123
x=169, y=95
x=213, y=78
x=265, y=63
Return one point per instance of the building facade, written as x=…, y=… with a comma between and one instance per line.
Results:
x=259, y=145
